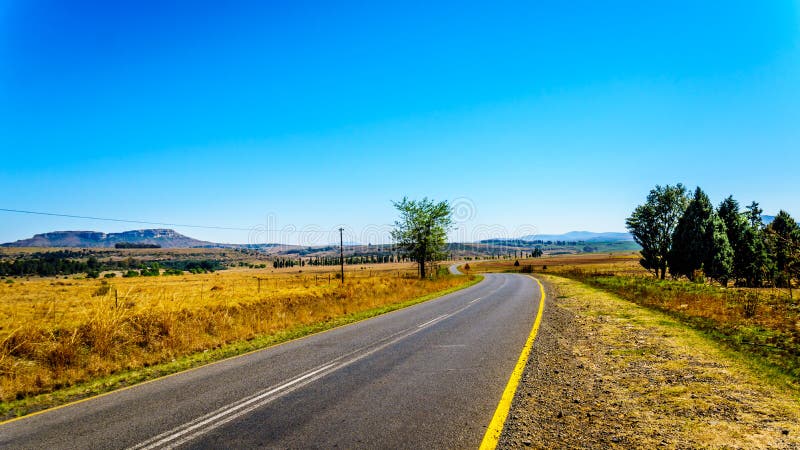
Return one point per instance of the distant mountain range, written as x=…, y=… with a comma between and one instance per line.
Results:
x=166, y=238
x=586, y=236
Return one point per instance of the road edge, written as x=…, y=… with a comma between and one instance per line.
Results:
x=162, y=371
x=492, y=436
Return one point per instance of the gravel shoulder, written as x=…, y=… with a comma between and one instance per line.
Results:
x=606, y=373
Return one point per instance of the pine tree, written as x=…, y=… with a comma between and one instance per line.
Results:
x=689, y=242
x=735, y=224
x=757, y=265
x=784, y=239
x=719, y=260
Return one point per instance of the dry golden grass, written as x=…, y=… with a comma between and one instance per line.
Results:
x=654, y=382
x=55, y=333
x=764, y=323
x=621, y=263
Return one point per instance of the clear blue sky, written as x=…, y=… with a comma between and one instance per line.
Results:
x=553, y=115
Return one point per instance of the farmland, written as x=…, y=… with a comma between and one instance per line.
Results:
x=58, y=333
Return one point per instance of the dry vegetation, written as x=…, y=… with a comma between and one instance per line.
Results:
x=761, y=322
x=55, y=333
x=612, y=374
x=621, y=263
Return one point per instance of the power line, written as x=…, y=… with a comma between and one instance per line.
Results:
x=145, y=222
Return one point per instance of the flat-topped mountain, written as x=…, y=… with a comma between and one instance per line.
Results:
x=163, y=237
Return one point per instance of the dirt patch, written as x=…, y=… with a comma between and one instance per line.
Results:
x=605, y=372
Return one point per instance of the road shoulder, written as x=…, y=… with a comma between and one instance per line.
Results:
x=605, y=372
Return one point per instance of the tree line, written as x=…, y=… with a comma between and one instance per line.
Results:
x=49, y=264
x=68, y=262
x=374, y=258
x=135, y=245
x=686, y=236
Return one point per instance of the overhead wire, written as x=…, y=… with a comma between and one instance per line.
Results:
x=147, y=222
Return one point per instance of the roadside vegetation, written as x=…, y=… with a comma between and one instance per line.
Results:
x=724, y=271
x=614, y=374
x=56, y=333
x=763, y=323
x=687, y=237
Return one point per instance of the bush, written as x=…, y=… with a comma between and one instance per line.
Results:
x=152, y=271
x=110, y=275
x=131, y=274
x=93, y=274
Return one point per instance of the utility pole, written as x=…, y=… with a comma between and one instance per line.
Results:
x=341, y=251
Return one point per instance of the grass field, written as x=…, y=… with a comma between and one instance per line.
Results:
x=764, y=323
x=638, y=378
x=56, y=332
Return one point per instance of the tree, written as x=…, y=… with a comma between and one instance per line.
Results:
x=753, y=215
x=422, y=229
x=653, y=224
x=756, y=264
x=784, y=239
x=719, y=260
x=735, y=225
x=689, y=242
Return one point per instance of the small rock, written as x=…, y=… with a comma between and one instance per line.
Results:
x=527, y=442
x=785, y=432
x=615, y=440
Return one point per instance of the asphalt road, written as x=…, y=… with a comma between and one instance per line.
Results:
x=427, y=376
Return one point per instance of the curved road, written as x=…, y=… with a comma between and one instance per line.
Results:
x=425, y=376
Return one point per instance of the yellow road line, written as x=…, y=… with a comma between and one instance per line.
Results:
x=492, y=436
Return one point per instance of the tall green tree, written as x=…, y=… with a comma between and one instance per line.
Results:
x=690, y=247
x=422, y=229
x=719, y=260
x=784, y=239
x=735, y=225
x=757, y=265
x=653, y=223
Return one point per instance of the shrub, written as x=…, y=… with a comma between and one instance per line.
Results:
x=152, y=271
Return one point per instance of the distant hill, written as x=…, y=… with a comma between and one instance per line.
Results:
x=586, y=236
x=165, y=238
